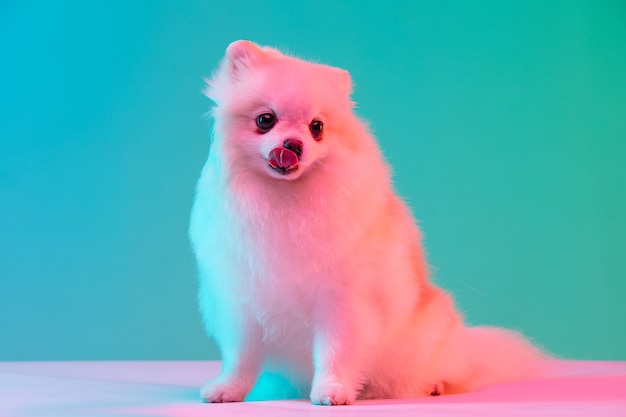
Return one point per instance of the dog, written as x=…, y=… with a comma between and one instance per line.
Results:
x=311, y=267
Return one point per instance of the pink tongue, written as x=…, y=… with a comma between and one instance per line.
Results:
x=283, y=158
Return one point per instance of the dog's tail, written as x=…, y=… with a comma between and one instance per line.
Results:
x=497, y=355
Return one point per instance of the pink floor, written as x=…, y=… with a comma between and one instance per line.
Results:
x=66, y=389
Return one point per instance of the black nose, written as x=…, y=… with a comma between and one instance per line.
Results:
x=294, y=145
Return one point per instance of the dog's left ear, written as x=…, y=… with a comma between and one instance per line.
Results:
x=342, y=79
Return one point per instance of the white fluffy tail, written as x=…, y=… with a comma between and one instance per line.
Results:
x=498, y=355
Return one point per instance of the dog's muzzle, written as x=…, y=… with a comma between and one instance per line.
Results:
x=285, y=159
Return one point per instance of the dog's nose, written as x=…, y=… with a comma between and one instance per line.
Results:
x=294, y=145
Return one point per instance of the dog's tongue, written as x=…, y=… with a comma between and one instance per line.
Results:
x=283, y=158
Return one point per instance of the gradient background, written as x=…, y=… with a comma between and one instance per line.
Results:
x=505, y=123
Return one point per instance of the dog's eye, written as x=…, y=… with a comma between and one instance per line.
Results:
x=316, y=128
x=265, y=122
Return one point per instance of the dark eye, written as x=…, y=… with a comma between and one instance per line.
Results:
x=316, y=128
x=265, y=122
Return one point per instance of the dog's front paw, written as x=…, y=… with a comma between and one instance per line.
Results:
x=332, y=393
x=224, y=392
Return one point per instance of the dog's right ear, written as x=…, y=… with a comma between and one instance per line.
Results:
x=241, y=55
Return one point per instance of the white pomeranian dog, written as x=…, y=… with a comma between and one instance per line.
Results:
x=310, y=265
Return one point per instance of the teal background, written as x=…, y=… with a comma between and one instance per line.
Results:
x=505, y=123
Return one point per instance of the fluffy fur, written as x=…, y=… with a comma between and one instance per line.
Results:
x=317, y=273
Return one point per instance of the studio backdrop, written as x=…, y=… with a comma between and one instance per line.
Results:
x=505, y=123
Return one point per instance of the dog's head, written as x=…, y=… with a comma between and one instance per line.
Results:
x=278, y=114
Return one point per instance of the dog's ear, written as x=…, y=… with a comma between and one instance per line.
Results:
x=241, y=55
x=342, y=79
